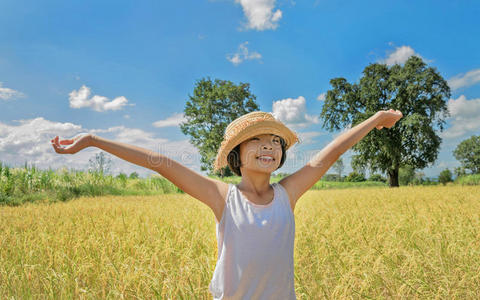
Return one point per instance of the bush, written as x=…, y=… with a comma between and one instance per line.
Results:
x=468, y=179
x=429, y=181
x=445, y=176
x=377, y=177
x=355, y=177
x=331, y=177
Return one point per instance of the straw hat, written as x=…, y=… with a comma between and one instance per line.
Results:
x=250, y=125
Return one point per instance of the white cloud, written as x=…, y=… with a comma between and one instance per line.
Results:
x=464, y=118
x=173, y=120
x=293, y=112
x=322, y=97
x=464, y=80
x=400, y=55
x=7, y=93
x=308, y=137
x=243, y=54
x=260, y=14
x=81, y=99
x=29, y=141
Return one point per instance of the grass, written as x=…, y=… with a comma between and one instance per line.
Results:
x=29, y=184
x=411, y=242
x=468, y=179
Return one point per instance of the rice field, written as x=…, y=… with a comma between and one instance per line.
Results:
x=405, y=243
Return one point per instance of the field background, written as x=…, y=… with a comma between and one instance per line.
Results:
x=408, y=242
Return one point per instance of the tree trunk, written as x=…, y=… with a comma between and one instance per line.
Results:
x=393, y=177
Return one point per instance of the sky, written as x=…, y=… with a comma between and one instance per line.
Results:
x=123, y=70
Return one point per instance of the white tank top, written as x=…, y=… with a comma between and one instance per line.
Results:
x=255, y=248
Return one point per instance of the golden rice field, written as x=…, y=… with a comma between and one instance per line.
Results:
x=410, y=242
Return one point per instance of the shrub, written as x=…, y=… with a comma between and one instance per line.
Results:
x=355, y=177
x=377, y=177
x=445, y=176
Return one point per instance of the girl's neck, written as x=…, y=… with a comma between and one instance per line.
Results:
x=258, y=183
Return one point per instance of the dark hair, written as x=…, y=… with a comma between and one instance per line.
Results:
x=234, y=163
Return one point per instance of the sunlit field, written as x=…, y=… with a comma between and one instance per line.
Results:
x=409, y=242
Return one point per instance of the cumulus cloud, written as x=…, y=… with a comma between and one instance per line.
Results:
x=322, y=97
x=173, y=120
x=260, y=14
x=243, y=54
x=308, y=137
x=29, y=141
x=464, y=80
x=293, y=112
x=81, y=98
x=400, y=55
x=9, y=94
x=464, y=118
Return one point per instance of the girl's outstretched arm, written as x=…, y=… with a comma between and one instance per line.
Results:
x=209, y=191
x=299, y=182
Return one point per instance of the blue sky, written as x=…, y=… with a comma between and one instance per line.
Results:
x=123, y=69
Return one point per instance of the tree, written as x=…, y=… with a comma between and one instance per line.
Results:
x=468, y=153
x=406, y=174
x=418, y=91
x=338, y=167
x=459, y=171
x=418, y=178
x=445, y=176
x=101, y=163
x=212, y=107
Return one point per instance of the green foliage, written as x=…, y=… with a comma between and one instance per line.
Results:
x=133, y=175
x=213, y=105
x=406, y=175
x=445, y=176
x=468, y=153
x=325, y=185
x=429, y=181
x=122, y=177
x=459, y=171
x=338, y=166
x=101, y=163
x=377, y=177
x=331, y=177
x=418, y=179
x=355, y=177
x=29, y=184
x=418, y=91
x=468, y=179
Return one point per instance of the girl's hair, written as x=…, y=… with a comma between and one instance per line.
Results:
x=234, y=163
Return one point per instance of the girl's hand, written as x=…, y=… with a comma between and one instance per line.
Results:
x=388, y=118
x=79, y=142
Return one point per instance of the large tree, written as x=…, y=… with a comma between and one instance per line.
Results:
x=468, y=153
x=418, y=91
x=213, y=105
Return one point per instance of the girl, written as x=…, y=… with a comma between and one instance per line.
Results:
x=255, y=225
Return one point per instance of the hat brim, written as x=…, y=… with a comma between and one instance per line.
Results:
x=264, y=127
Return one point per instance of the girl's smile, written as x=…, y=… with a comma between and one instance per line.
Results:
x=265, y=150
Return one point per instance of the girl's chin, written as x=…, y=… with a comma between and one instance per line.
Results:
x=269, y=168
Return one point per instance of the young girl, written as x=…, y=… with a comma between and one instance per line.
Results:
x=255, y=225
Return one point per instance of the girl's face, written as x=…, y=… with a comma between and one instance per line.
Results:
x=261, y=153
